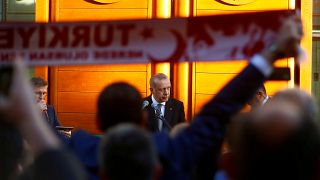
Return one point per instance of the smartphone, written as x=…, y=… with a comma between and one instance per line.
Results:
x=5, y=79
x=280, y=74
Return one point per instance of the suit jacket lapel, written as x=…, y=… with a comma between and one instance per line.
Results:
x=152, y=116
x=168, y=112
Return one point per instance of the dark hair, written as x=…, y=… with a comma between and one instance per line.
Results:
x=11, y=149
x=119, y=103
x=38, y=82
x=297, y=157
x=127, y=152
x=263, y=89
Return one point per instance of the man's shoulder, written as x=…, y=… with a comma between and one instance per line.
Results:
x=148, y=98
x=81, y=134
x=50, y=108
x=176, y=101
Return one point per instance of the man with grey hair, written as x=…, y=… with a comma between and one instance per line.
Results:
x=164, y=112
x=280, y=140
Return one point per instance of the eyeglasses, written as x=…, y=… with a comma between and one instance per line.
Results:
x=39, y=93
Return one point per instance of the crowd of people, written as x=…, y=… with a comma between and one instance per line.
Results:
x=278, y=139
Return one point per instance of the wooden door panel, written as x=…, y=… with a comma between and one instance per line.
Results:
x=91, y=4
x=208, y=12
x=88, y=81
x=80, y=121
x=212, y=76
x=75, y=89
x=257, y=5
x=113, y=67
x=78, y=102
x=101, y=14
x=211, y=83
x=221, y=67
x=200, y=100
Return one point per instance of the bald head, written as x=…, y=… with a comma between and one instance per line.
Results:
x=284, y=114
x=283, y=133
x=304, y=102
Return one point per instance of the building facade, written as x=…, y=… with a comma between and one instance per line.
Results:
x=74, y=89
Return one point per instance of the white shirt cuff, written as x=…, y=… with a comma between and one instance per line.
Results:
x=262, y=65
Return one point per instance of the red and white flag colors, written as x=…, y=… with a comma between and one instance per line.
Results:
x=210, y=38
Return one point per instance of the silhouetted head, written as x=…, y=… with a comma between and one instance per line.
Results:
x=178, y=128
x=128, y=152
x=119, y=103
x=280, y=140
x=11, y=149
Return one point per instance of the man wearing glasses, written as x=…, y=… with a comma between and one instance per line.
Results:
x=40, y=89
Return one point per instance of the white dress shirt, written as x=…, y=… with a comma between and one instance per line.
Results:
x=262, y=65
x=265, y=100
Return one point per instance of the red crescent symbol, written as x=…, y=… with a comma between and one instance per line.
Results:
x=179, y=51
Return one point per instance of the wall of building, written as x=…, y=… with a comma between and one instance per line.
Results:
x=74, y=89
x=316, y=69
x=209, y=78
x=316, y=51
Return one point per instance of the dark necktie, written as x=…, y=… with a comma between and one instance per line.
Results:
x=159, y=116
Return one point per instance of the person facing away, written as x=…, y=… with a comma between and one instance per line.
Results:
x=280, y=140
x=164, y=112
x=205, y=135
x=128, y=152
x=40, y=89
x=20, y=112
x=260, y=98
x=11, y=150
x=117, y=103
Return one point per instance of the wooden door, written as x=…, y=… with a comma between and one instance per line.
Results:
x=209, y=78
x=74, y=89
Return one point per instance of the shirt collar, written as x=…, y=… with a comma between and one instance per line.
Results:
x=154, y=101
x=265, y=100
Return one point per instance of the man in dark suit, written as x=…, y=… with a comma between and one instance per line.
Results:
x=205, y=135
x=21, y=119
x=40, y=89
x=164, y=112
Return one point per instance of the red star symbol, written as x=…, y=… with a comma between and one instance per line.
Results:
x=147, y=33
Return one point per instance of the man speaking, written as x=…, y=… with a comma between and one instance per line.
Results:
x=163, y=112
x=40, y=88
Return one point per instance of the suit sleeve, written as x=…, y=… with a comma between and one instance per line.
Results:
x=207, y=131
x=56, y=122
x=182, y=117
x=63, y=165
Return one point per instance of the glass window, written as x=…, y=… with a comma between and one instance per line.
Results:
x=316, y=50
